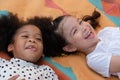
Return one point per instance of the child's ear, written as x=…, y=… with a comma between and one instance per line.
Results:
x=10, y=47
x=69, y=48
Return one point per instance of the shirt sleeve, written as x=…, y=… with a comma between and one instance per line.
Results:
x=100, y=63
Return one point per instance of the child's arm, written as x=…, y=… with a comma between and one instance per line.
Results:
x=115, y=64
x=15, y=77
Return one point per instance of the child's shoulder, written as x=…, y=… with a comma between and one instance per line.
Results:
x=109, y=28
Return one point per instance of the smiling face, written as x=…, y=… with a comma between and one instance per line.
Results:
x=79, y=34
x=27, y=44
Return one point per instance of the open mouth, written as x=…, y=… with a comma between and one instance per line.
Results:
x=31, y=47
x=89, y=35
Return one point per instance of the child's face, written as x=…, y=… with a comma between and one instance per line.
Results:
x=28, y=44
x=79, y=34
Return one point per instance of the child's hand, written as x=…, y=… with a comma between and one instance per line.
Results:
x=15, y=77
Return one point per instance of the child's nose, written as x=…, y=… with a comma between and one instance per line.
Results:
x=31, y=40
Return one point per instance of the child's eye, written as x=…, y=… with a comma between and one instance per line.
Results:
x=25, y=36
x=39, y=39
x=74, y=31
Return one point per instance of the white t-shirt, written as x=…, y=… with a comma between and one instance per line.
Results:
x=26, y=70
x=99, y=59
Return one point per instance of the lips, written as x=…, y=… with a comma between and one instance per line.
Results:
x=31, y=47
x=89, y=35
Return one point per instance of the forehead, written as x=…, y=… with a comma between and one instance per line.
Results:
x=67, y=24
x=69, y=21
x=29, y=28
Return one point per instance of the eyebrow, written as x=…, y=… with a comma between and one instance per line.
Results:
x=27, y=32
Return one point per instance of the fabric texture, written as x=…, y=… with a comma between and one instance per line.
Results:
x=109, y=45
x=26, y=70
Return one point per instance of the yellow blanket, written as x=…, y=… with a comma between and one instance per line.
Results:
x=54, y=8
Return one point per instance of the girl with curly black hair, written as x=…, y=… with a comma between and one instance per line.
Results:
x=24, y=42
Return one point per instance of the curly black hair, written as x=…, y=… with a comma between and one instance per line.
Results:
x=10, y=23
x=52, y=42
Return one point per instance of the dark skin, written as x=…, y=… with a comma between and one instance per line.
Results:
x=15, y=24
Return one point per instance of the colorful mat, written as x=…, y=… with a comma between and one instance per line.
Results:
x=66, y=70
x=111, y=8
x=77, y=68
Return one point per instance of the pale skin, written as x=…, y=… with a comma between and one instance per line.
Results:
x=77, y=33
x=27, y=45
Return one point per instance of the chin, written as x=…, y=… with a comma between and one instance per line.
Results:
x=34, y=60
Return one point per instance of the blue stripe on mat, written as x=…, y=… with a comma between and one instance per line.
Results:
x=66, y=70
x=4, y=12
